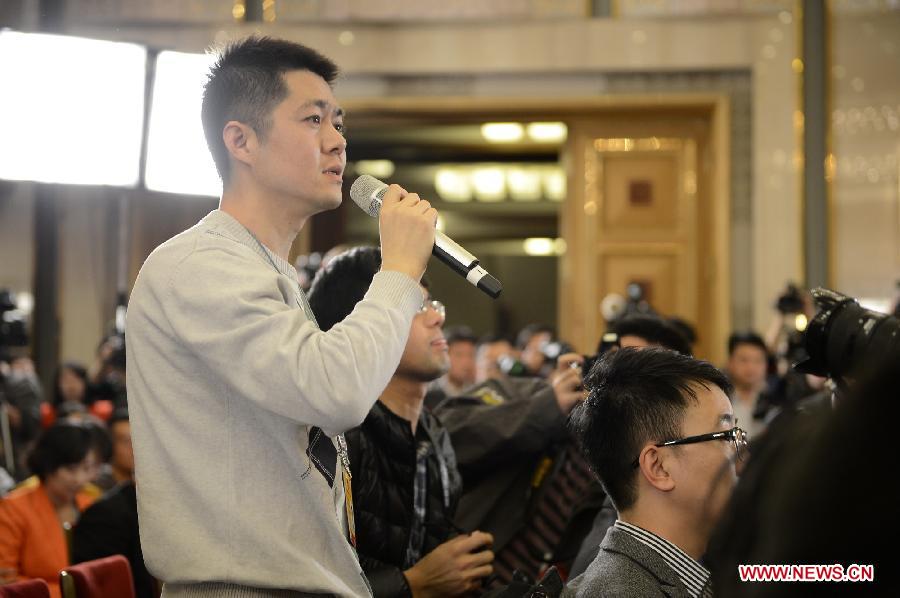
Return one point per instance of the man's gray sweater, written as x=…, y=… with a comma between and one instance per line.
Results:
x=227, y=375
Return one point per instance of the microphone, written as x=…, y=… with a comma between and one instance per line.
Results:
x=367, y=192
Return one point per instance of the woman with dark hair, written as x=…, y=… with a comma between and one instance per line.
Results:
x=70, y=384
x=74, y=396
x=35, y=519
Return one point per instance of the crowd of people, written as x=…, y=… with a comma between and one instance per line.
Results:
x=272, y=442
x=485, y=460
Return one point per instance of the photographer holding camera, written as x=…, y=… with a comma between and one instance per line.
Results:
x=822, y=470
x=514, y=453
x=20, y=390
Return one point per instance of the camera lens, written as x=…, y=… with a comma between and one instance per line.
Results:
x=843, y=337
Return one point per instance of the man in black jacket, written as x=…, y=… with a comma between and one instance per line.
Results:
x=405, y=480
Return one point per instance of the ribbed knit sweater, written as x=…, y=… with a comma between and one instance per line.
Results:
x=227, y=374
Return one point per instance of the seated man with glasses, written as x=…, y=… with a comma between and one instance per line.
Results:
x=405, y=482
x=658, y=430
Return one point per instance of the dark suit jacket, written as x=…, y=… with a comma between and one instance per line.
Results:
x=626, y=567
x=110, y=526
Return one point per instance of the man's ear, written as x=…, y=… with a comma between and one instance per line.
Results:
x=654, y=467
x=240, y=141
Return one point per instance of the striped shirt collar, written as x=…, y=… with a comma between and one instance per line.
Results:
x=692, y=574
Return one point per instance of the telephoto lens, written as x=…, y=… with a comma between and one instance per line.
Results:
x=847, y=341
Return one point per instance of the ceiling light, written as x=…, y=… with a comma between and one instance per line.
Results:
x=452, y=185
x=538, y=246
x=555, y=184
x=489, y=183
x=380, y=169
x=547, y=132
x=502, y=132
x=524, y=184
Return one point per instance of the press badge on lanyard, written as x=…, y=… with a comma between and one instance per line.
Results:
x=303, y=304
x=348, y=487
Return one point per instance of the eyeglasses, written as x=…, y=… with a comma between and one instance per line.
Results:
x=736, y=435
x=434, y=304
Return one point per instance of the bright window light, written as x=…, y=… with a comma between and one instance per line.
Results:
x=549, y=132
x=489, y=183
x=502, y=132
x=178, y=160
x=71, y=109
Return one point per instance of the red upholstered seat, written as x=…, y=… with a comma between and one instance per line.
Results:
x=30, y=588
x=102, y=578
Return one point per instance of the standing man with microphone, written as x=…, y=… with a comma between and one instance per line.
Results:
x=237, y=399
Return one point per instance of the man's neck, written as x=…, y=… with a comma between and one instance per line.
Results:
x=747, y=394
x=675, y=529
x=404, y=398
x=263, y=216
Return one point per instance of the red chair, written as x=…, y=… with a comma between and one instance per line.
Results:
x=30, y=588
x=103, y=578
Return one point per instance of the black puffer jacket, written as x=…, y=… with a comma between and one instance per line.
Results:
x=383, y=464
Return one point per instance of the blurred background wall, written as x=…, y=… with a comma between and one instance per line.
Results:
x=421, y=76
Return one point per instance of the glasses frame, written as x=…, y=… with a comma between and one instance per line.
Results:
x=434, y=304
x=735, y=435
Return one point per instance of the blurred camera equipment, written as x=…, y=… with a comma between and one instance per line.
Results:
x=790, y=301
x=845, y=340
x=512, y=367
x=13, y=333
x=13, y=328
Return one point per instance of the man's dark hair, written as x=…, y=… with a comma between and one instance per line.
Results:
x=460, y=334
x=746, y=338
x=340, y=285
x=529, y=331
x=654, y=330
x=636, y=396
x=246, y=83
x=64, y=443
x=490, y=338
x=687, y=330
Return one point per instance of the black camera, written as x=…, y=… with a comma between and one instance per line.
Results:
x=845, y=339
x=13, y=329
x=791, y=301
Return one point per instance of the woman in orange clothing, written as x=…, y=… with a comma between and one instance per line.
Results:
x=33, y=519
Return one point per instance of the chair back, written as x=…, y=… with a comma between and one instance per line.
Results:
x=30, y=588
x=102, y=578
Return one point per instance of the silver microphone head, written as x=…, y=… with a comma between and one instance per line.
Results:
x=366, y=192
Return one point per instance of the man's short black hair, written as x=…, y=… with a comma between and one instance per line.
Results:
x=491, y=338
x=530, y=330
x=654, y=330
x=746, y=338
x=460, y=334
x=636, y=396
x=64, y=443
x=340, y=285
x=247, y=82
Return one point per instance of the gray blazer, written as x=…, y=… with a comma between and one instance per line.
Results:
x=626, y=567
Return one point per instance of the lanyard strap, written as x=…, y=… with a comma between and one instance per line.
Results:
x=343, y=456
